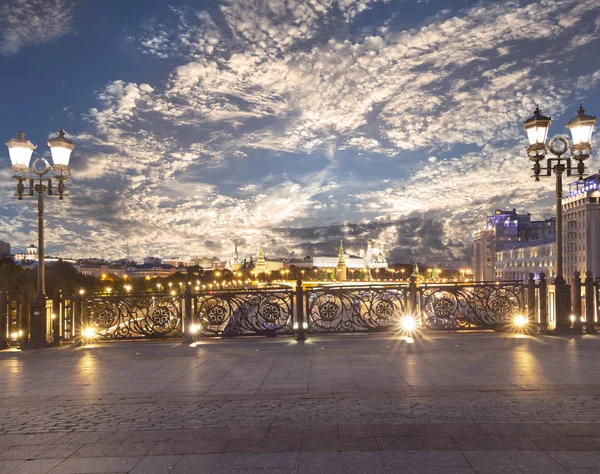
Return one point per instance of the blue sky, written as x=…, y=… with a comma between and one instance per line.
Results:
x=288, y=123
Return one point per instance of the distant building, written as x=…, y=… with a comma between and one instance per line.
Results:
x=373, y=256
x=30, y=255
x=179, y=262
x=101, y=269
x=517, y=261
x=152, y=260
x=503, y=229
x=153, y=271
x=209, y=263
x=263, y=265
x=4, y=248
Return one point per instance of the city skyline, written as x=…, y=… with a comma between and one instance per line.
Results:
x=198, y=123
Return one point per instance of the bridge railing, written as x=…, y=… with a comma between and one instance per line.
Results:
x=285, y=310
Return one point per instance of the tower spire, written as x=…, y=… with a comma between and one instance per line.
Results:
x=341, y=265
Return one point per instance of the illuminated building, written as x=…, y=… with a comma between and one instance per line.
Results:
x=503, y=229
x=517, y=261
x=30, y=255
x=581, y=227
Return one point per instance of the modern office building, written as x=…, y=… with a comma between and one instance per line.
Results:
x=501, y=230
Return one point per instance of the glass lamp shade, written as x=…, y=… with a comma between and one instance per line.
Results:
x=61, y=149
x=537, y=129
x=581, y=129
x=20, y=150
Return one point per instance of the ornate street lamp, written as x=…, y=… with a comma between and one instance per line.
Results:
x=537, y=132
x=20, y=150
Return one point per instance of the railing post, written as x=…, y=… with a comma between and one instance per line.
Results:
x=3, y=320
x=590, y=297
x=56, y=317
x=301, y=325
x=577, y=324
x=188, y=337
x=531, y=303
x=78, y=319
x=412, y=297
x=543, y=304
x=25, y=316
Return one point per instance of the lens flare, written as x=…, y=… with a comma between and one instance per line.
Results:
x=408, y=323
x=89, y=333
x=520, y=320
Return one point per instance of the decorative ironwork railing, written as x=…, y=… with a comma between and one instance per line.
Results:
x=266, y=311
x=130, y=316
x=354, y=309
x=455, y=306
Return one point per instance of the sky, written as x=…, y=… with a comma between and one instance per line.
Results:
x=285, y=123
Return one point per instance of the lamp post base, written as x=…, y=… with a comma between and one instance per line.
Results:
x=562, y=298
x=37, y=324
x=33, y=345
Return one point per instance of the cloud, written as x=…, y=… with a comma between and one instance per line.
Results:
x=291, y=125
x=24, y=22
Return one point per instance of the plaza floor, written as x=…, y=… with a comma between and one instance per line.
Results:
x=439, y=403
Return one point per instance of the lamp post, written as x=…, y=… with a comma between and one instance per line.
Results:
x=20, y=151
x=581, y=128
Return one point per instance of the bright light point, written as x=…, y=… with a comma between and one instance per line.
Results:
x=54, y=316
x=295, y=325
x=14, y=335
x=89, y=333
x=520, y=320
x=572, y=318
x=194, y=328
x=410, y=340
x=408, y=323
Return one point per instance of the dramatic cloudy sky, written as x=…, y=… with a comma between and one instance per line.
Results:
x=293, y=123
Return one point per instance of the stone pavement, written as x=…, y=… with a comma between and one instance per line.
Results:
x=440, y=403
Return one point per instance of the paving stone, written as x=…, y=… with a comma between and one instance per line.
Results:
x=198, y=446
x=369, y=429
x=103, y=450
x=423, y=459
x=416, y=443
x=321, y=462
x=196, y=463
x=575, y=443
x=235, y=432
x=96, y=465
x=40, y=451
x=156, y=464
x=340, y=443
x=259, y=461
x=519, y=429
x=445, y=429
x=37, y=466
x=319, y=431
x=263, y=445
x=431, y=470
x=9, y=466
x=513, y=461
x=495, y=443
x=570, y=459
